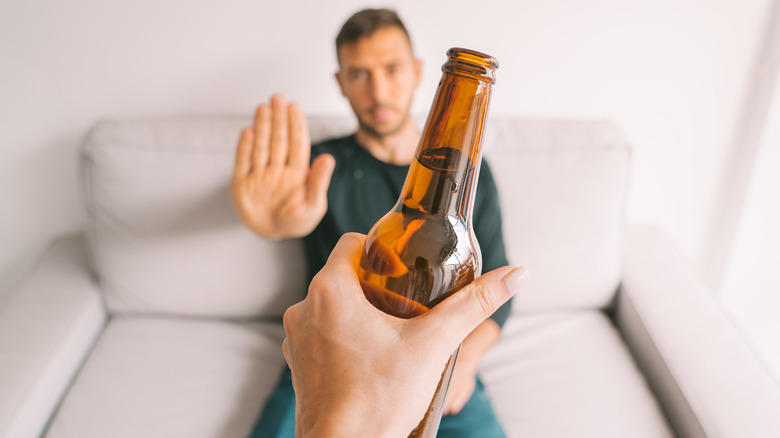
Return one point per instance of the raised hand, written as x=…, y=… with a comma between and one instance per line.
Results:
x=275, y=191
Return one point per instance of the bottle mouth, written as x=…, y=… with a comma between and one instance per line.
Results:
x=467, y=62
x=472, y=56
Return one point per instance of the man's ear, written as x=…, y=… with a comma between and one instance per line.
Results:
x=337, y=75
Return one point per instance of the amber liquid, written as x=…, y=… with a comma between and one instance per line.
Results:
x=424, y=250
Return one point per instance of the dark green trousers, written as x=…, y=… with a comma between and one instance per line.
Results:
x=475, y=420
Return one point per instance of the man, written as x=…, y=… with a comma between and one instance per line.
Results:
x=349, y=184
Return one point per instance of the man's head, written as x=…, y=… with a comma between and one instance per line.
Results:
x=378, y=72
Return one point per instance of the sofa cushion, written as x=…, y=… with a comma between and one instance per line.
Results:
x=569, y=374
x=554, y=374
x=562, y=186
x=163, y=233
x=168, y=377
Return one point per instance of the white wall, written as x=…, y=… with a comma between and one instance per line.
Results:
x=672, y=72
x=751, y=287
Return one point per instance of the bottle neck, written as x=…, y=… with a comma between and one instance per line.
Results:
x=442, y=178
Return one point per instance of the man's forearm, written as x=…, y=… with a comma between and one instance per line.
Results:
x=478, y=343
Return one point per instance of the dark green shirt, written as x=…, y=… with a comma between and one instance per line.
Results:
x=364, y=188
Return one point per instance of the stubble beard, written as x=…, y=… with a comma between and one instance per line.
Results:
x=379, y=135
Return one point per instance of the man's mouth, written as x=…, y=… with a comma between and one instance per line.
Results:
x=382, y=113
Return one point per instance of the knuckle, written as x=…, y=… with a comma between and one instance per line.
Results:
x=353, y=238
x=485, y=299
x=316, y=288
x=288, y=319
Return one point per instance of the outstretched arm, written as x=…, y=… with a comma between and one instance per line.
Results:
x=350, y=361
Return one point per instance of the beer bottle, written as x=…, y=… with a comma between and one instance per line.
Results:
x=424, y=249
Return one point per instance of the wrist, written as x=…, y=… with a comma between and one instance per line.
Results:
x=359, y=419
x=264, y=230
x=348, y=428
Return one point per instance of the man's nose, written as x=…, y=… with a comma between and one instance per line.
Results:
x=380, y=87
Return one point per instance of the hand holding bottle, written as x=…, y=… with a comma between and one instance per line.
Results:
x=275, y=191
x=351, y=363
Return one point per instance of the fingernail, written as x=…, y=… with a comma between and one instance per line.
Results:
x=515, y=280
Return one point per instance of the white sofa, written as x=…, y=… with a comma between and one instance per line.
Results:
x=163, y=318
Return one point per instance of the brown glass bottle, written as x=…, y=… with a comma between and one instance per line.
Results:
x=424, y=249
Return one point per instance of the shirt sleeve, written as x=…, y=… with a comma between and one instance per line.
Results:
x=487, y=228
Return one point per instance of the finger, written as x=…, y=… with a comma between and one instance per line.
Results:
x=300, y=143
x=339, y=274
x=449, y=405
x=244, y=153
x=456, y=406
x=262, y=137
x=319, y=179
x=455, y=402
x=458, y=315
x=279, y=131
x=453, y=395
x=346, y=252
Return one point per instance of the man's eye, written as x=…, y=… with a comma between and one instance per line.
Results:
x=358, y=74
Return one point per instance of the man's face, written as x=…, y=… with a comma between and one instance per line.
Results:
x=378, y=75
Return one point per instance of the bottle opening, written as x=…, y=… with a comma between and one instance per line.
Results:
x=470, y=63
x=472, y=56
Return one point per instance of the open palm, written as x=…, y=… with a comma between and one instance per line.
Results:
x=276, y=192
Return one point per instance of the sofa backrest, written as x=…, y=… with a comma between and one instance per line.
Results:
x=563, y=186
x=164, y=237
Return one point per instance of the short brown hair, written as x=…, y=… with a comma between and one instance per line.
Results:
x=364, y=23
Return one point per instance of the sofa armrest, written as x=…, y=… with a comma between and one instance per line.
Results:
x=708, y=379
x=47, y=327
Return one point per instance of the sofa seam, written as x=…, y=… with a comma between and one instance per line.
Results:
x=91, y=233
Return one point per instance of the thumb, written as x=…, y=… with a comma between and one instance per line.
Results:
x=319, y=178
x=458, y=315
